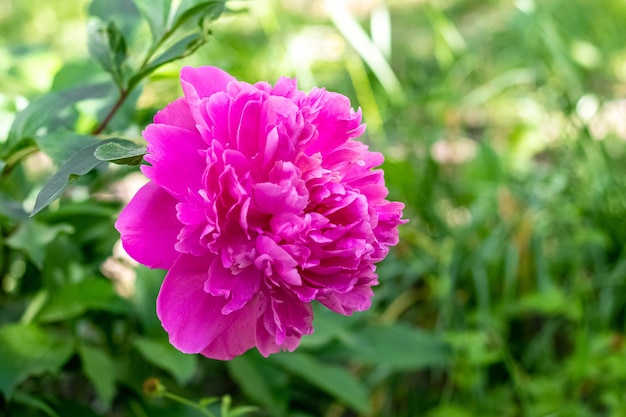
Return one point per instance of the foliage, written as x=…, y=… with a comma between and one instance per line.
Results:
x=503, y=132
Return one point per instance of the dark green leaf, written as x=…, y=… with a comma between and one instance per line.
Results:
x=328, y=326
x=165, y=356
x=48, y=112
x=108, y=46
x=261, y=382
x=100, y=369
x=75, y=299
x=33, y=238
x=28, y=350
x=80, y=163
x=398, y=347
x=147, y=287
x=334, y=380
x=122, y=152
x=33, y=402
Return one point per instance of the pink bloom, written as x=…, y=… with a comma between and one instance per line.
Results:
x=260, y=201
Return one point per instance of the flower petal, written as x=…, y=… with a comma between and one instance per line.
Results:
x=193, y=318
x=148, y=226
x=176, y=113
x=177, y=163
x=200, y=83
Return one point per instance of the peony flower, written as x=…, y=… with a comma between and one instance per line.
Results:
x=260, y=201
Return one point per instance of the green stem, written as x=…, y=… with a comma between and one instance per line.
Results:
x=16, y=158
x=190, y=403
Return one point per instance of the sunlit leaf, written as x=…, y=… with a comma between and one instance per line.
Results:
x=49, y=112
x=334, y=380
x=162, y=354
x=122, y=152
x=28, y=350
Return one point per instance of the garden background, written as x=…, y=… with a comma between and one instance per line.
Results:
x=503, y=125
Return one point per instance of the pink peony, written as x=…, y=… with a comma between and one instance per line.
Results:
x=260, y=201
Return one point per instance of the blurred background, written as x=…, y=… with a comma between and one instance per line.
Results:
x=503, y=125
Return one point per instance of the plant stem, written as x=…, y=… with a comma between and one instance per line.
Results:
x=125, y=92
x=123, y=96
x=190, y=403
x=14, y=159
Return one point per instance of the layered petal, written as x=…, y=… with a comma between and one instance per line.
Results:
x=261, y=201
x=149, y=235
x=193, y=318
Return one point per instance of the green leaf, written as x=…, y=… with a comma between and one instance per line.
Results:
x=62, y=144
x=123, y=12
x=122, y=152
x=33, y=402
x=107, y=46
x=261, y=382
x=201, y=9
x=49, y=112
x=242, y=410
x=28, y=350
x=100, y=369
x=165, y=356
x=328, y=326
x=398, y=347
x=184, y=47
x=74, y=300
x=334, y=380
x=156, y=13
x=78, y=164
x=33, y=238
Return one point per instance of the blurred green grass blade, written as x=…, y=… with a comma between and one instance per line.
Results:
x=361, y=42
x=448, y=41
x=334, y=380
